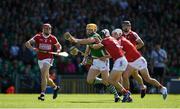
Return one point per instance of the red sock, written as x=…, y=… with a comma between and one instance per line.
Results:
x=123, y=91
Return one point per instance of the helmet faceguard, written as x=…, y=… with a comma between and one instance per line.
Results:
x=105, y=33
x=117, y=33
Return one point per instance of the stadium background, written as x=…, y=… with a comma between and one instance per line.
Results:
x=153, y=20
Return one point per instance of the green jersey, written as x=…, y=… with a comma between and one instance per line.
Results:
x=96, y=53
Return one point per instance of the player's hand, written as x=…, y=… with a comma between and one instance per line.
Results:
x=84, y=62
x=69, y=37
x=58, y=51
x=73, y=51
x=36, y=49
x=97, y=40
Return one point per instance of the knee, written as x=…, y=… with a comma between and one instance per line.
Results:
x=90, y=81
x=110, y=81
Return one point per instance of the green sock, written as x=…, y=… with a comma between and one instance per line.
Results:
x=112, y=90
x=97, y=81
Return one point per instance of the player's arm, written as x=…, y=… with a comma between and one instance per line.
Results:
x=97, y=46
x=87, y=52
x=58, y=47
x=72, y=39
x=105, y=56
x=140, y=43
x=85, y=41
x=29, y=46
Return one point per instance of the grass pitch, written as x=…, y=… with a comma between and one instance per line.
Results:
x=86, y=101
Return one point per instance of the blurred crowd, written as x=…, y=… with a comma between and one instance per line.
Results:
x=153, y=20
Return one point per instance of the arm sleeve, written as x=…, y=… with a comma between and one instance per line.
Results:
x=34, y=38
x=55, y=41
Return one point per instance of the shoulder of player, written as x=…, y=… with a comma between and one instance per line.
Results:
x=53, y=37
x=134, y=33
x=38, y=35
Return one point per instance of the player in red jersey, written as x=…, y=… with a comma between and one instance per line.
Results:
x=45, y=41
x=136, y=61
x=138, y=43
x=115, y=51
x=132, y=36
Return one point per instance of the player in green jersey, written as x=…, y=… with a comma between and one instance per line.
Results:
x=100, y=63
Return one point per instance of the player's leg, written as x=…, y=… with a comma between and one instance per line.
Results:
x=145, y=74
x=126, y=75
x=94, y=71
x=51, y=83
x=114, y=80
x=92, y=76
x=119, y=66
x=139, y=79
x=44, y=72
x=109, y=87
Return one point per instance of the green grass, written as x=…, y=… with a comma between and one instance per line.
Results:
x=86, y=101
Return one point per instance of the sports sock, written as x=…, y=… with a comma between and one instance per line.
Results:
x=124, y=91
x=112, y=90
x=55, y=88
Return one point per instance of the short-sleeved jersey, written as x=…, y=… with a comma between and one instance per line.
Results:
x=45, y=44
x=96, y=53
x=112, y=46
x=132, y=37
x=131, y=53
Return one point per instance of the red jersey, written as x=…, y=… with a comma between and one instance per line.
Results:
x=45, y=44
x=113, y=47
x=131, y=53
x=132, y=37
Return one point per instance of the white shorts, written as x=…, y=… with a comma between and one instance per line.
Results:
x=100, y=65
x=120, y=64
x=139, y=63
x=48, y=61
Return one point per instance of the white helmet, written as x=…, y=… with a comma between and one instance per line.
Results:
x=105, y=32
x=118, y=31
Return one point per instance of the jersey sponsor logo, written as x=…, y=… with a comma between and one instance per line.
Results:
x=44, y=46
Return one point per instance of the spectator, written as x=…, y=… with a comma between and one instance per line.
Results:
x=159, y=60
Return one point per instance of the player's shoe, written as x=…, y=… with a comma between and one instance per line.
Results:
x=117, y=99
x=163, y=90
x=41, y=97
x=143, y=92
x=55, y=93
x=127, y=97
